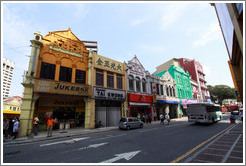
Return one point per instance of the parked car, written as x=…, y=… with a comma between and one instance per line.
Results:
x=130, y=123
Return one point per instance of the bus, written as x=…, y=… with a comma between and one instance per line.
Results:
x=204, y=112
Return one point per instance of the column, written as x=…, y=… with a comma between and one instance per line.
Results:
x=89, y=113
x=73, y=73
x=57, y=73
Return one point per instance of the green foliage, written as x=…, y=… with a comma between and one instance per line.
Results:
x=221, y=92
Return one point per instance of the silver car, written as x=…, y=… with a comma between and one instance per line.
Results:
x=130, y=123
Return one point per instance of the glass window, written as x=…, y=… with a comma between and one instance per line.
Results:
x=65, y=74
x=119, y=81
x=110, y=80
x=144, y=85
x=158, y=89
x=131, y=82
x=174, y=92
x=226, y=25
x=162, y=90
x=137, y=84
x=80, y=76
x=167, y=90
x=99, y=77
x=47, y=71
x=239, y=7
x=170, y=91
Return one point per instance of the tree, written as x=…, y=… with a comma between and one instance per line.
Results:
x=221, y=92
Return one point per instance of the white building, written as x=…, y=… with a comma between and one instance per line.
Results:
x=8, y=70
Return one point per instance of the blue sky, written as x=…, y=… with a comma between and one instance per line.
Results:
x=155, y=32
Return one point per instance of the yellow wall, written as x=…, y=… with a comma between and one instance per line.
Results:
x=63, y=48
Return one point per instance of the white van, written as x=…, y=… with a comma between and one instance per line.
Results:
x=204, y=112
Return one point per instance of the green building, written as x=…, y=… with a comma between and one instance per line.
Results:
x=183, y=86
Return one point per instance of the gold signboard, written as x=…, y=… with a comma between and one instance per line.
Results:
x=45, y=86
x=108, y=64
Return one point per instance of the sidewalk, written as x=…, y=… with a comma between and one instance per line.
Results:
x=226, y=148
x=42, y=135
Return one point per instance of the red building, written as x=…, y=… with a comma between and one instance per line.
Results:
x=195, y=70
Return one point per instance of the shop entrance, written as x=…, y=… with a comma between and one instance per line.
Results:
x=68, y=115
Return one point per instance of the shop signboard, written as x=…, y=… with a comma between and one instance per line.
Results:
x=109, y=94
x=139, y=98
x=108, y=64
x=46, y=86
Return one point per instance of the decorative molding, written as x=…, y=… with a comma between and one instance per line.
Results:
x=62, y=50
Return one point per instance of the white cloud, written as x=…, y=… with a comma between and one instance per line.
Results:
x=80, y=11
x=138, y=22
x=171, y=14
x=210, y=34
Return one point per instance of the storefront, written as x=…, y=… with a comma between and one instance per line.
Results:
x=109, y=104
x=65, y=102
x=167, y=105
x=139, y=104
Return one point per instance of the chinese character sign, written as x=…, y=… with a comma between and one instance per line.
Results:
x=108, y=64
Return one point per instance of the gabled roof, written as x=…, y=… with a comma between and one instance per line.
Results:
x=161, y=73
x=136, y=59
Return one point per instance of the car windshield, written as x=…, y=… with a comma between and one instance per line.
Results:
x=123, y=120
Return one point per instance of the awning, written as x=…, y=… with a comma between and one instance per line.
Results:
x=11, y=112
x=167, y=101
x=139, y=104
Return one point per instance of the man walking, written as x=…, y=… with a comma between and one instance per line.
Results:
x=167, y=118
x=50, y=124
x=162, y=119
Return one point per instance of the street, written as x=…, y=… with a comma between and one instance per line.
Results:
x=151, y=144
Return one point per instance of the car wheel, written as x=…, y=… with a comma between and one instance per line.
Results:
x=128, y=128
x=141, y=126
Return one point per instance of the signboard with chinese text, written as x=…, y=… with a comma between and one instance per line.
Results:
x=108, y=64
x=109, y=94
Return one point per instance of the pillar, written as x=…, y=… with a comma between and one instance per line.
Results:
x=89, y=113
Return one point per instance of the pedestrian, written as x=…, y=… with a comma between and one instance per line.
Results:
x=241, y=115
x=5, y=127
x=162, y=119
x=15, y=127
x=149, y=117
x=50, y=124
x=167, y=118
x=138, y=117
x=36, y=122
x=146, y=119
x=10, y=129
x=143, y=117
x=232, y=118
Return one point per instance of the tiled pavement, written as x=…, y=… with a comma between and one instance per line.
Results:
x=226, y=148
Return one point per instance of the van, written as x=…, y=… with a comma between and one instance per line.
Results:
x=130, y=123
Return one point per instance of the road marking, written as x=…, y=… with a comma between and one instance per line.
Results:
x=67, y=141
x=232, y=147
x=200, y=145
x=88, y=147
x=127, y=156
x=93, y=146
x=147, y=130
x=108, y=137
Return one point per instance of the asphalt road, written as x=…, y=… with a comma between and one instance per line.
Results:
x=151, y=144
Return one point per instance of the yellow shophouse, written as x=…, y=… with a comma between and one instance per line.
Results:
x=58, y=83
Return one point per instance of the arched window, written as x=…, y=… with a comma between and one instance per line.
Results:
x=167, y=90
x=137, y=84
x=131, y=82
x=174, y=92
x=180, y=93
x=144, y=85
x=170, y=91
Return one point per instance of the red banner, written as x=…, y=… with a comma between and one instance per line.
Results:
x=139, y=98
